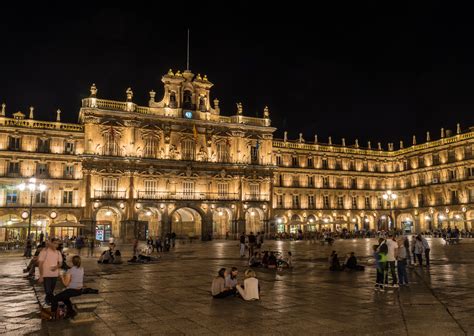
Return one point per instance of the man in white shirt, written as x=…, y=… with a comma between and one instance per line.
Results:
x=427, y=249
x=391, y=257
x=49, y=260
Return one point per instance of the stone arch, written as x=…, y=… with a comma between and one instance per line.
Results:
x=426, y=221
x=254, y=217
x=221, y=222
x=153, y=217
x=108, y=219
x=406, y=222
x=187, y=222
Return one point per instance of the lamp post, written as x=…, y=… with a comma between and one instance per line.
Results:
x=32, y=186
x=390, y=197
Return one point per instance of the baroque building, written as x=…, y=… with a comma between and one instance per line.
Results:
x=179, y=165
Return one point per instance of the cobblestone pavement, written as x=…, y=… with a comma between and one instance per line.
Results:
x=172, y=297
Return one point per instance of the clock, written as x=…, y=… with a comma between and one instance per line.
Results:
x=188, y=114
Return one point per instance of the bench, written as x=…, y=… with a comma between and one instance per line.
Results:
x=451, y=241
x=85, y=306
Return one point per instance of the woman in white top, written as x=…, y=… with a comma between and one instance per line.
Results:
x=73, y=281
x=250, y=290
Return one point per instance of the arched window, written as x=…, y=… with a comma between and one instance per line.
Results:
x=188, y=149
x=111, y=142
x=202, y=104
x=187, y=100
x=172, y=103
x=151, y=146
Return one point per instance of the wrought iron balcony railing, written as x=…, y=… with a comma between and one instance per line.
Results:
x=168, y=195
x=110, y=194
x=259, y=197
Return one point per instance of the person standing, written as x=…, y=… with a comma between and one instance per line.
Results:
x=391, y=258
x=252, y=243
x=135, y=248
x=50, y=260
x=418, y=250
x=41, y=237
x=91, y=247
x=427, y=249
x=28, y=248
x=242, y=245
x=402, y=263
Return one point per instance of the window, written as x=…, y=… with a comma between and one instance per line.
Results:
x=340, y=202
x=67, y=197
x=310, y=181
x=421, y=200
x=325, y=163
x=151, y=147
x=354, y=202
x=421, y=179
x=254, y=190
x=325, y=182
x=42, y=169
x=69, y=147
x=40, y=197
x=13, y=168
x=326, y=202
x=452, y=175
x=222, y=189
x=353, y=183
x=68, y=171
x=109, y=184
x=111, y=142
x=454, y=197
x=12, y=196
x=150, y=187
x=405, y=165
x=188, y=149
x=254, y=154
x=470, y=171
x=188, y=188
x=296, y=201
x=296, y=181
x=294, y=161
x=379, y=202
x=43, y=146
x=436, y=159
x=435, y=178
x=173, y=103
x=278, y=160
x=310, y=162
x=311, y=204
x=280, y=201
x=222, y=152
x=187, y=100
x=14, y=143
x=367, y=202
x=280, y=180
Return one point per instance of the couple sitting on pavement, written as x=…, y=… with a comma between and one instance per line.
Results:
x=110, y=257
x=226, y=284
x=350, y=263
x=270, y=260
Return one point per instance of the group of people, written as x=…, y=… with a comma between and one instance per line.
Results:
x=50, y=261
x=271, y=259
x=226, y=284
x=251, y=242
x=392, y=253
x=350, y=263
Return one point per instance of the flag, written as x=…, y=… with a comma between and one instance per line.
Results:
x=195, y=133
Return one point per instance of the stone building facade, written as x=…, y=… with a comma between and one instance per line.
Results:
x=178, y=165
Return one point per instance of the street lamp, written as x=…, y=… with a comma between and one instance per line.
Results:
x=32, y=186
x=390, y=197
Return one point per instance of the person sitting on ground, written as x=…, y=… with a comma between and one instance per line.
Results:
x=251, y=289
x=218, y=288
x=265, y=259
x=117, y=257
x=106, y=257
x=73, y=281
x=286, y=262
x=254, y=260
x=335, y=265
x=231, y=279
x=351, y=263
x=272, y=261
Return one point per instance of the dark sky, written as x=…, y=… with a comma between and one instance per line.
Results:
x=363, y=71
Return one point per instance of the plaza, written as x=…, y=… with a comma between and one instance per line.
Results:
x=172, y=297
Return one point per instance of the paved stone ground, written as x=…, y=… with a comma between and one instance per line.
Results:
x=172, y=297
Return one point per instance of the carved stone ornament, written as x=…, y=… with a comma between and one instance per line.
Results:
x=131, y=123
x=91, y=120
x=222, y=173
x=188, y=171
x=151, y=170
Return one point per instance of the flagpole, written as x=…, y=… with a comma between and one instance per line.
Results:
x=187, y=54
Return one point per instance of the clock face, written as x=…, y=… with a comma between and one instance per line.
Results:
x=188, y=114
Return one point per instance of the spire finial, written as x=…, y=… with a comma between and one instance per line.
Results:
x=344, y=142
x=379, y=146
x=442, y=132
x=129, y=93
x=58, y=115
x=240, y=108
x=266, y=112
x=414, y=140
x=4, y=106
x=369, y=145
x=315, y=138
x=285, y=136
x=187, y=54
x=428, y=138
x=32, y=116
x=330, y=140
x=401, y=144
x=357, y=143
x=458, y=128
x=301, y=138
x=93, y=91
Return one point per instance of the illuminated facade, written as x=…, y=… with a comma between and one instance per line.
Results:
x=179, y=165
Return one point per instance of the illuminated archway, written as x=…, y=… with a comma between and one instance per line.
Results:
x=186, y=223
x=153, y=217
x=107, y=223
x=254, y=220
x=221, y=222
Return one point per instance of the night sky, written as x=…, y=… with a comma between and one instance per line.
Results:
x=379, y=74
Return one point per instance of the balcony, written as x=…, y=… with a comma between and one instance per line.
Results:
x=109, y=194
x=260, y=197
x=203, y=196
